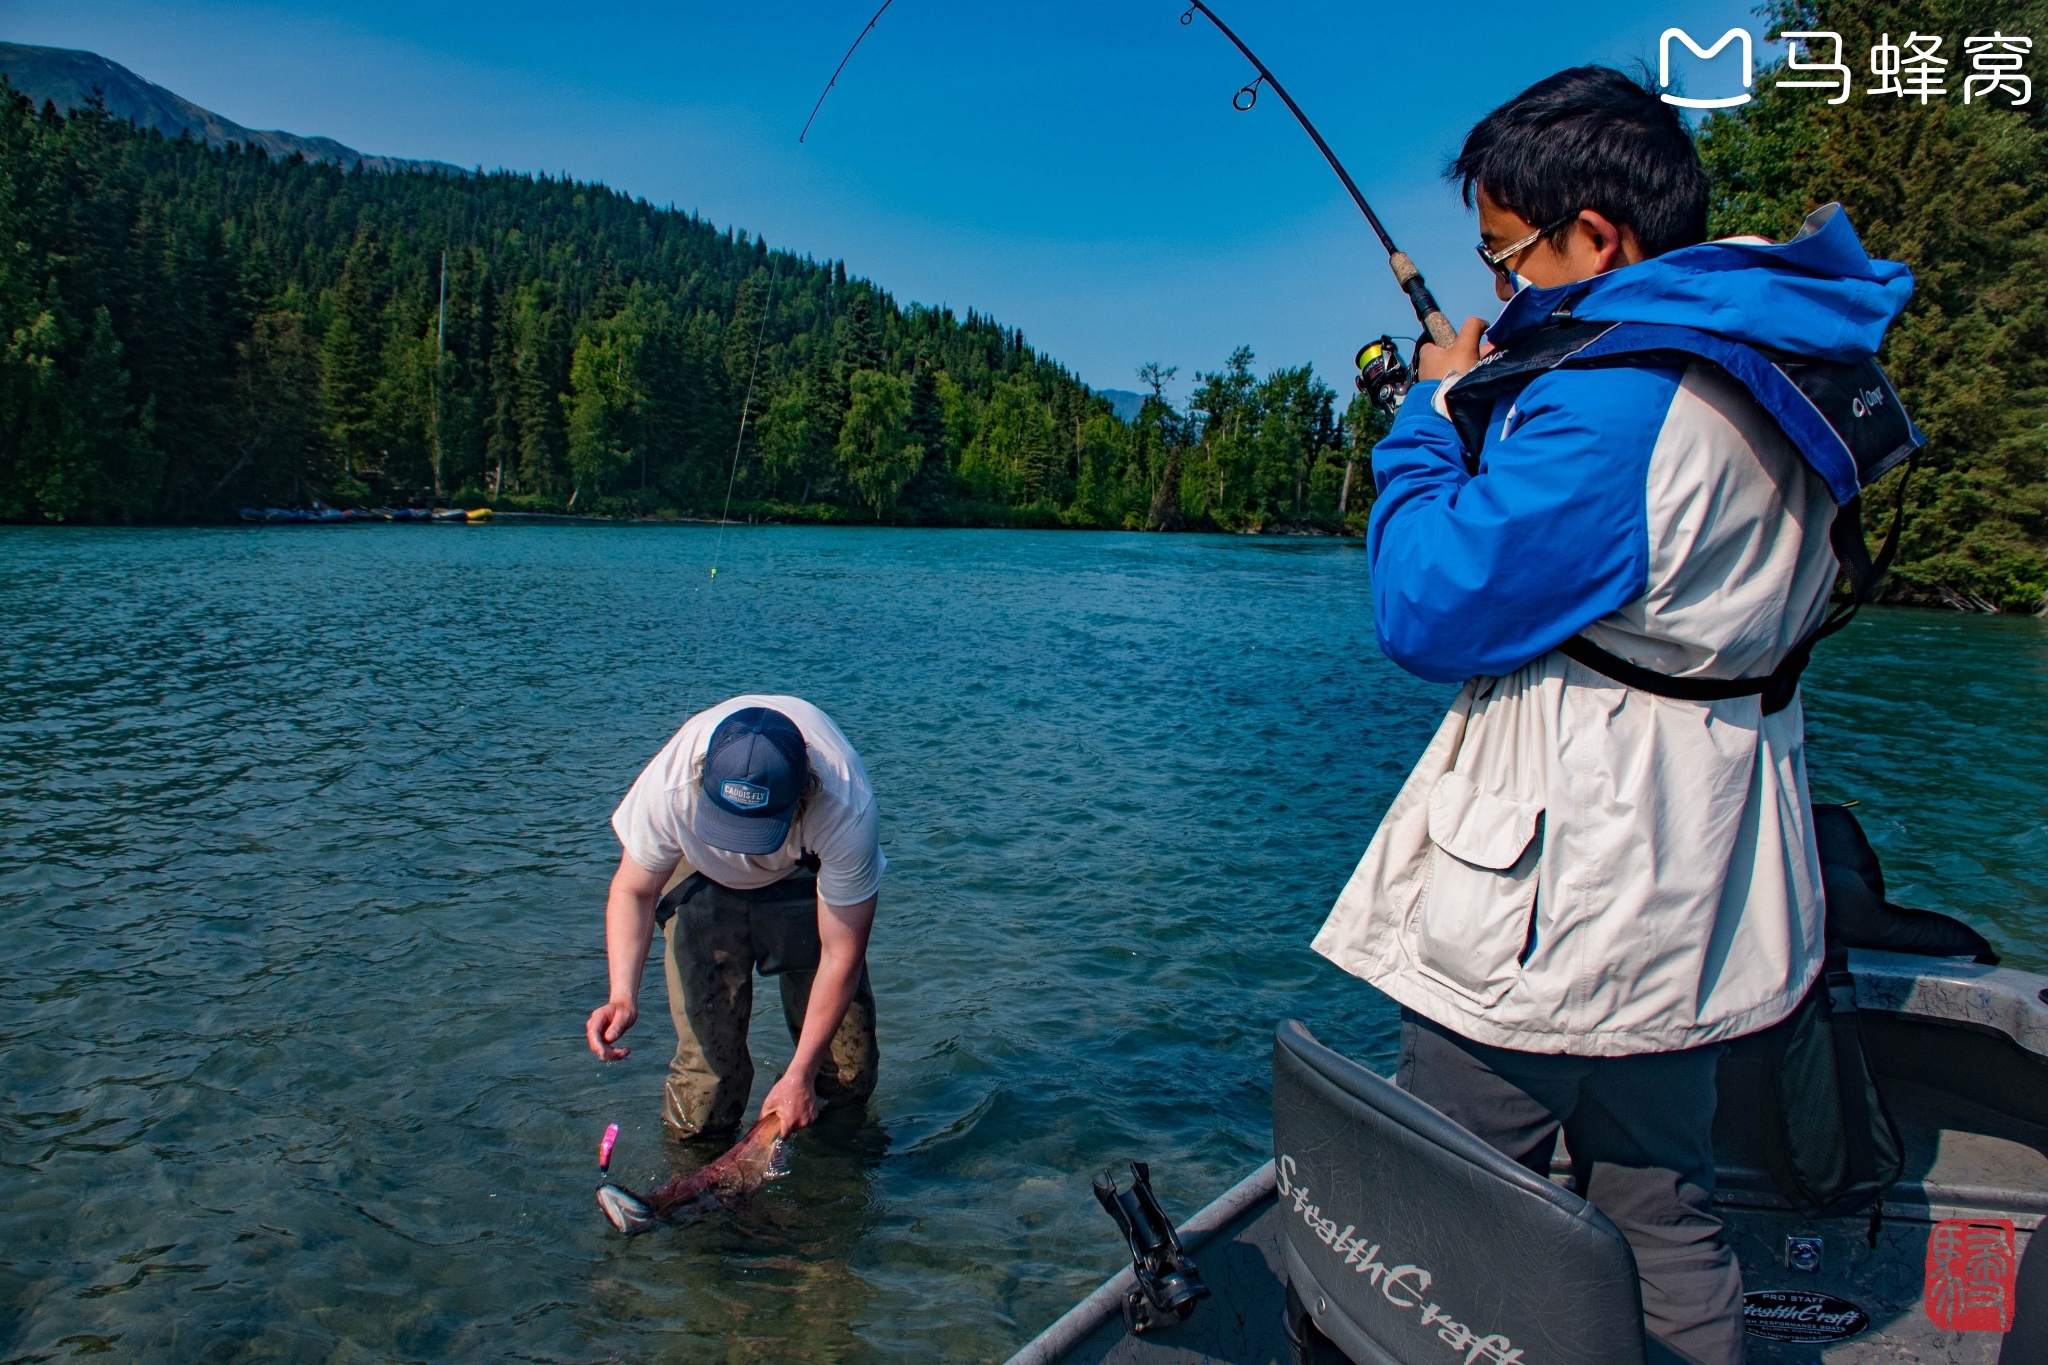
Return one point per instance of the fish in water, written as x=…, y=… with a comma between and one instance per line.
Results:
x=759, y=1156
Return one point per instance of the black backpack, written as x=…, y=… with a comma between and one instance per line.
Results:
x=1829, y=1140
x=1830, y=1143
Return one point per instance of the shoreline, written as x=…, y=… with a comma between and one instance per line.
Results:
x=1276, y=529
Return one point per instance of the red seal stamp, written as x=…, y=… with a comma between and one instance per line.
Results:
x=1971, y=1265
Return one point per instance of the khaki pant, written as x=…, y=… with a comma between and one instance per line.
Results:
x=716, y=938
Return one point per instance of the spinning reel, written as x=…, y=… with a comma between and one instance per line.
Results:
x=1383, y=376
x=1168, y=1282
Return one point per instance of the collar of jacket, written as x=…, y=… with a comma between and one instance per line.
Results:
x=1819, y=295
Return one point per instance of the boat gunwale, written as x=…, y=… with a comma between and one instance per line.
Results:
x=2005, y=1002
x=1079, y=1322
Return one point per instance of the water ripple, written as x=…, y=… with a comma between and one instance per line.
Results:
x=303, y=844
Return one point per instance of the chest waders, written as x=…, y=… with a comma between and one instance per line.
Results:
x=715, y=939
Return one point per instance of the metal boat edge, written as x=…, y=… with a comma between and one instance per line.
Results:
x=1987, y=1001
x=1081, y=1321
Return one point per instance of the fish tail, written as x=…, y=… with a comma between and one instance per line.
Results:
x=628, y=1212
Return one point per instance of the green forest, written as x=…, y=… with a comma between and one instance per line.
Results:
x=189, y=331
x=192, y=331
x=1959, y=192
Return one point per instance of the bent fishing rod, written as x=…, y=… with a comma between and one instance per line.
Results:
x=839, y=68
x=1405, y=272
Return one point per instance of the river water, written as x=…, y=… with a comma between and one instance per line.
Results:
x=303, y=846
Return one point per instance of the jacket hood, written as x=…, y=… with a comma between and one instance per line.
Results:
x=1819, y=294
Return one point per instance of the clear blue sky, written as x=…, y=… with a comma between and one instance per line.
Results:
x=1074, y=169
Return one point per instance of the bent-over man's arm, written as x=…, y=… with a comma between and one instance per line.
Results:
x=628, y=930
x=843, y=939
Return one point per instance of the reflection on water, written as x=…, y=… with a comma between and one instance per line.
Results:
x=302, y=853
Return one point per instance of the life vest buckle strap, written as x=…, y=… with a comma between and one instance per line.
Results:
x=1777, y=688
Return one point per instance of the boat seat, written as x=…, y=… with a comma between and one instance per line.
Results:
x=1406, y=1235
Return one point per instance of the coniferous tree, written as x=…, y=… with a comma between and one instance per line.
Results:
x=187, y=330
x=348, y=379
x=932, y=484
x=1959, y=191
x=279, y=445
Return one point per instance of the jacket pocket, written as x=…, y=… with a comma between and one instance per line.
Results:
x=1474, y=915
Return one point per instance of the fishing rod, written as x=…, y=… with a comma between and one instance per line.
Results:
x=1405, y=271
x=1382, y=375
x=839, y=68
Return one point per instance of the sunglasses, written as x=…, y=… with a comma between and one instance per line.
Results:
x=1497, y=261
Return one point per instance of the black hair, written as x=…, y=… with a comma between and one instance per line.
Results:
x=1590, y=138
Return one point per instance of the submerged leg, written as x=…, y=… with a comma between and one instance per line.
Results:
x=708, y=959
x=853, y=1063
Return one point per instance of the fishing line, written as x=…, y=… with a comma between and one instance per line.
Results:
x=837, y=69
x=746, y=407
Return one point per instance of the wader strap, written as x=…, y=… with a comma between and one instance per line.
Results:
x=1781, y=684
x=806, y=868
x=679, y=896
x=1851, y=1071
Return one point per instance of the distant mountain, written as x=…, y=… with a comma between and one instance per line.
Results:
x=67, y=78
x=1123, y=402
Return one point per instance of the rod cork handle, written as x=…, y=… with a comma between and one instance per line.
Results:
x=1432, y=317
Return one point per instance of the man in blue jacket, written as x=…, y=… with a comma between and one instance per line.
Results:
x=1586, y=886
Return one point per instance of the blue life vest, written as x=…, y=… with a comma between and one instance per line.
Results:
x=1844, y=418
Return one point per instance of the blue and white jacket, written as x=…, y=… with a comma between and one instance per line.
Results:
x=1575, y=866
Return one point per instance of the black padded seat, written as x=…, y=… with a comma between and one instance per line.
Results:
x=1411, y=1242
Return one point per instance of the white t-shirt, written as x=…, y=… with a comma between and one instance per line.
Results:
x=837, y=823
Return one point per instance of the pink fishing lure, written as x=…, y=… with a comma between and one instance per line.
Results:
x=604, y=1149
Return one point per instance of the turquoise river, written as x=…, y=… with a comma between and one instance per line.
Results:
x=303, y=847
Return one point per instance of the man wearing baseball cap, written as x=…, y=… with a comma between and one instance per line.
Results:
x=752, y=839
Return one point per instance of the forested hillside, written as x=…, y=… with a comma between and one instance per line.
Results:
x=1959, y=192
x=192, y=330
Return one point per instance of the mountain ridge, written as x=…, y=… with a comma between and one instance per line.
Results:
x=68, y=77
x=1125, y=403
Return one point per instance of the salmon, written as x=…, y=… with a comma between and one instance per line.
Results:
x=758, y=1157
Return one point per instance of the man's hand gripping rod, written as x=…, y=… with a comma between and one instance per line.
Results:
x=1433, y=320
